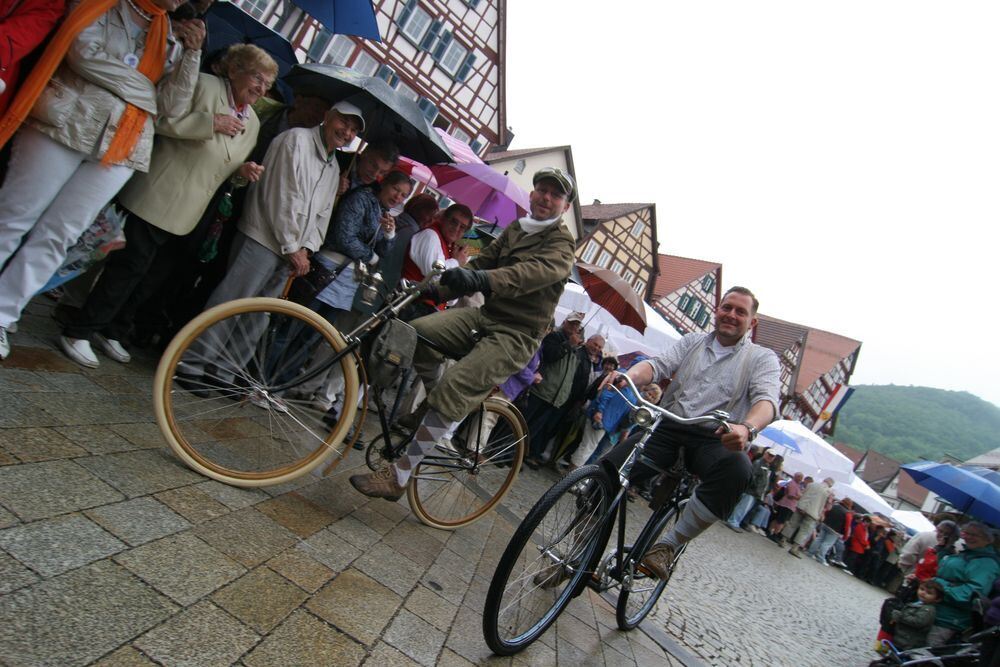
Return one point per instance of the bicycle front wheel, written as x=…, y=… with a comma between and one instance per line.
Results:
x=641, y=588
x=546, y=560
x=462, y=480
x=237, y=418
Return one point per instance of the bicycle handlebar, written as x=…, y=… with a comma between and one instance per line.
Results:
x=719, y=418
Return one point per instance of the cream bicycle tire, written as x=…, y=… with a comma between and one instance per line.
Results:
x=184, y=432
x=433, y=489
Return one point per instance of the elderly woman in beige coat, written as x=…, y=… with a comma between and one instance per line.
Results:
x=193, y=156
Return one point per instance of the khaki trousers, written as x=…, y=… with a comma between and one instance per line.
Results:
x=501, y=351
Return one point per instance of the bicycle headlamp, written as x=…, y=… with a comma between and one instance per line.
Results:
x=642, y=417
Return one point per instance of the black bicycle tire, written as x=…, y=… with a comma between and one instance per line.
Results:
x=523, y=538
x=630, y=622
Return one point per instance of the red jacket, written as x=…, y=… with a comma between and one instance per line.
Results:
x=24, y=24
x=859, y=538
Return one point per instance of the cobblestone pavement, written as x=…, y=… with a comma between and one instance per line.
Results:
x=113, y=553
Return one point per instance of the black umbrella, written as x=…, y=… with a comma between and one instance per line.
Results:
x=227, y=24
x=388, y=115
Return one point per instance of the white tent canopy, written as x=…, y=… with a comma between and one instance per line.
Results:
x=815, y=456
x=861, y=493
x=914, y=521
x=659, y=334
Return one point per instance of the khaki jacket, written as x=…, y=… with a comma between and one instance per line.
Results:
x=290, y=206
x=190, y=161
x=86, y=97
x=813, y=500
x=527, y=275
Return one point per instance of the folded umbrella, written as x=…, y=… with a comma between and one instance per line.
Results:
x=388, y=115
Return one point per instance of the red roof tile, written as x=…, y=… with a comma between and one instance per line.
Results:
x=824, y=350
x=850, y=452
x=776, y=334
x=676, y=272
x=602, y=212
x=879, y=470
x=909, y=490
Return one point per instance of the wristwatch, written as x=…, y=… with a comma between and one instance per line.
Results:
x=752, y=429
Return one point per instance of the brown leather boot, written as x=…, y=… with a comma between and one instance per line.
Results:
x=379, y=484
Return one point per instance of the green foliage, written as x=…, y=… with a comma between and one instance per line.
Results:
x=911, y=423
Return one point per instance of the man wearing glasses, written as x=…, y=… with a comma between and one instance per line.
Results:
x=521, y=276
x=441, y=241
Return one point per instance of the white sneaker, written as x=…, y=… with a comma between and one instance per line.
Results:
x=79, y=350
x=4, y=344
x=112, y=348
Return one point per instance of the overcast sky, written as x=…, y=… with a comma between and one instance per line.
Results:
x=841, y=159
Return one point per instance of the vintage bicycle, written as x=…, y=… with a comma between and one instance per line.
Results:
x=241, y=422
x=556, y=551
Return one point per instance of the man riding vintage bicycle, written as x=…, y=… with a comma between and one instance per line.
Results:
x=722, y=370
x=521, y=275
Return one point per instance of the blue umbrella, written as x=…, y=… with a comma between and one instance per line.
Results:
x=781, y=438
x=227, y=24
x=964, y=490
x=991, y=475
x=344, y=17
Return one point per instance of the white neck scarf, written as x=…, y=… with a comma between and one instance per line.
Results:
x=532, y=226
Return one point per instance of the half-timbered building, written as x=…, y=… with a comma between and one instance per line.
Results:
x=447, y=56
x=687, y=292
x=622, y=238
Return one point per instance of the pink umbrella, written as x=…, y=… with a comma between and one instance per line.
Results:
x=491, y=195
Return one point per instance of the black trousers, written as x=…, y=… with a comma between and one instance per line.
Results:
x=111, y=306
x=724, y=474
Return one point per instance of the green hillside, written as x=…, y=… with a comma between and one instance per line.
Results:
x=910, y=423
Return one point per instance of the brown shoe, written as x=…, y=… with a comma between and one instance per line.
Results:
x=659, y=560
x=379, y=484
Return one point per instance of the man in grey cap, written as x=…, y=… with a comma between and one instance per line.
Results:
x=286, y=217
x=521, y=276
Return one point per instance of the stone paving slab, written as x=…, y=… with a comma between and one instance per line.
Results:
x=113, y=553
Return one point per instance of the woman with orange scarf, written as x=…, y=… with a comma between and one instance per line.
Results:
x=86, y=116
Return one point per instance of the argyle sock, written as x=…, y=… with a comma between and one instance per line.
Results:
x=694, y=520
x=433, y=428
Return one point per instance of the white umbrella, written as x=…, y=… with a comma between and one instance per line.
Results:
x=913, y=520
x=806, y=452
x=863, y=494
x=658, y=337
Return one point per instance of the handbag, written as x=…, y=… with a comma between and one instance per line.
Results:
x=305, y=288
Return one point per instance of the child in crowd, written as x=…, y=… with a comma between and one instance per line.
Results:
x=912, y=621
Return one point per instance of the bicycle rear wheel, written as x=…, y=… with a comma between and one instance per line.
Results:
x=229, y=422
x=463, y=480
x=640, y=589
x=546, y=560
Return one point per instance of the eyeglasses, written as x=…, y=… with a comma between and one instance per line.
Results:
x=261, y=79
x=455, y=222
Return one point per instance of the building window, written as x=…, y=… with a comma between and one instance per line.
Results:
x=453, y=57
x=318, y=47
x=461, y=135
x=639, y=287
x=637, y=228
x=703, y=319
x=428, y=108
x=604, y=259
x=617, y=267
x=519, y=166
x=708, y=283
x=684, y=302
x=477, y=145
x=254, y=7
x=629, y=277
x=589, y=251
x=341, y=48
x=407, y=92
x=388, y=75
x=365, y=64
x=414, y=21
